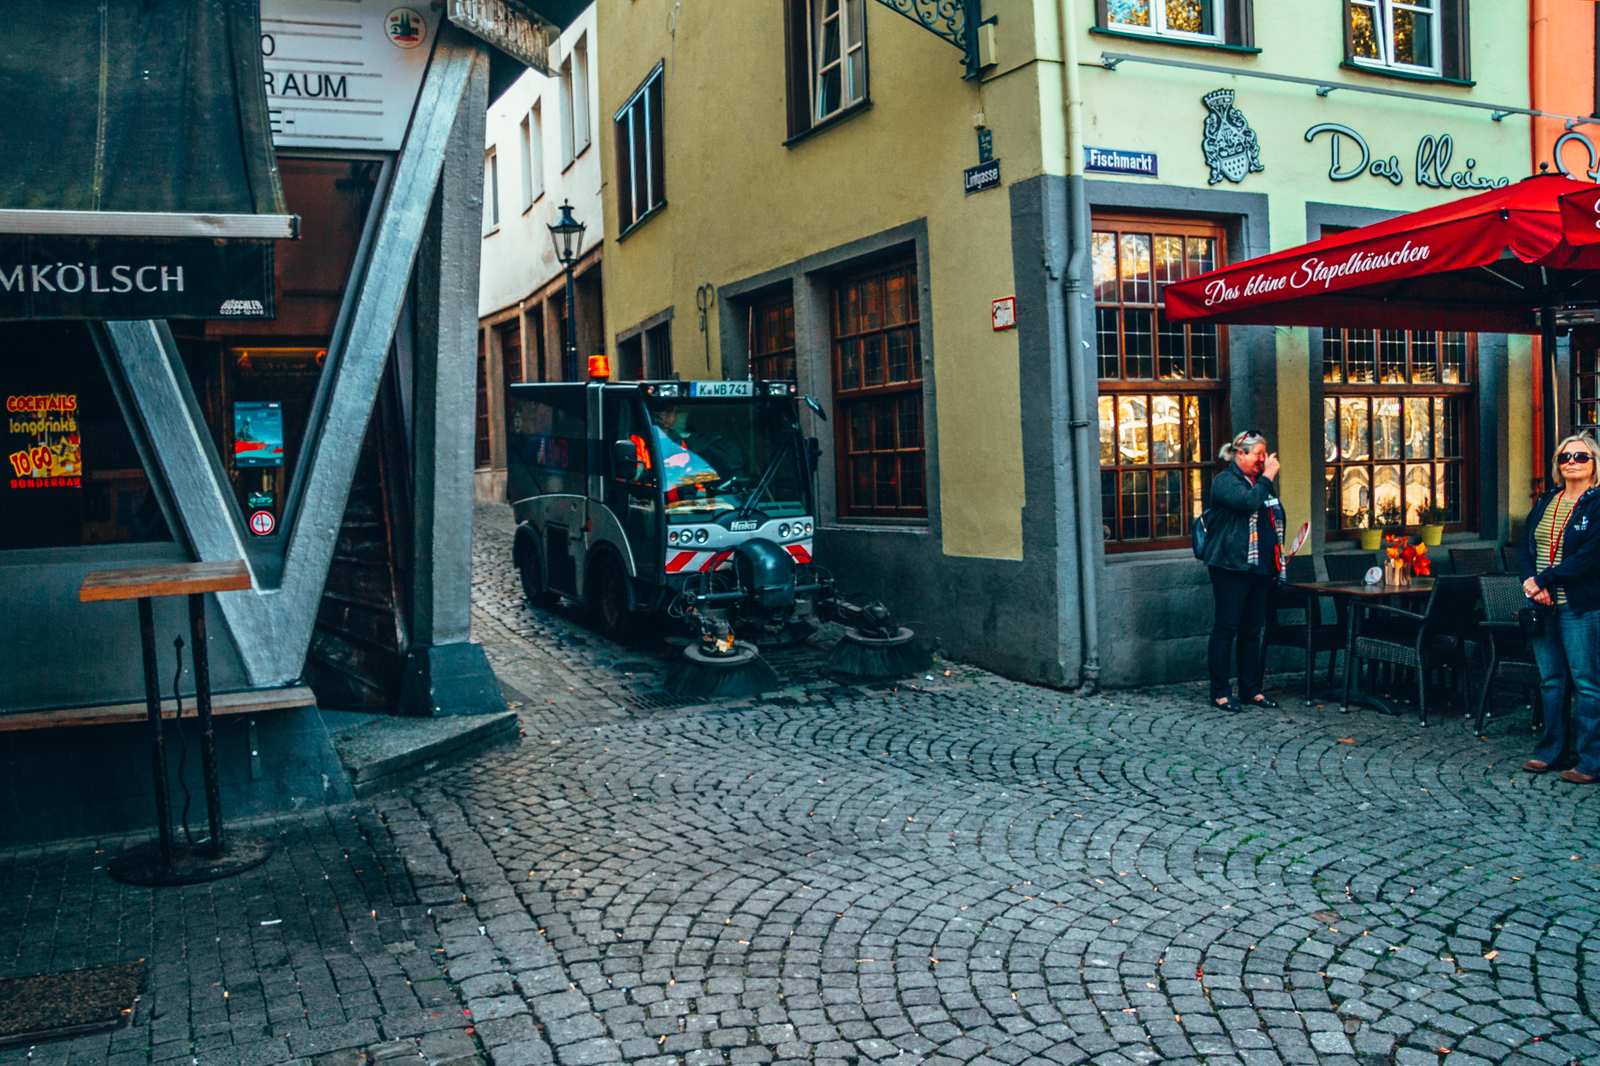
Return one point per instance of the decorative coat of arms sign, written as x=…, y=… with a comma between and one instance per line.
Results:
x=1229, y=144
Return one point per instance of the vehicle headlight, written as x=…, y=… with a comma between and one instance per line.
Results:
x=672, y=537
x=701, y=536
x=783, y=530
x=808, y=529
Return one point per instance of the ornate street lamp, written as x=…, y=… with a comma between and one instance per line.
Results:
x=567, y=236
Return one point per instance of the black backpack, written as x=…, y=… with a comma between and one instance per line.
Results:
x=1197, y=533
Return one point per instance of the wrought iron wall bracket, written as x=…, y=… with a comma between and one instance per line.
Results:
x=955, y=21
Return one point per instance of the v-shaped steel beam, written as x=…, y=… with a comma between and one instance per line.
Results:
x=272, y=626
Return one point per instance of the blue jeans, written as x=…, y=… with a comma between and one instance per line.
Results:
x=1570, y=643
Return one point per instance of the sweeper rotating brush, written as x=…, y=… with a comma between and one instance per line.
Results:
x=705, y=671
x=866, y=654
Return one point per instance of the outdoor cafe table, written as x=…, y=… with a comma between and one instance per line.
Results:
x=162, y=862
x=1356, y=592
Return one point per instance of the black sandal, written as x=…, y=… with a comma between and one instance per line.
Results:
x=1263, y=701
x=1231, y=705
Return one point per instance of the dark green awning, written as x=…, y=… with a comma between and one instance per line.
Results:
x=136, y=118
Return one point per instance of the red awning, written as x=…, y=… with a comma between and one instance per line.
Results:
x=1482, y=263
x=1580, y=215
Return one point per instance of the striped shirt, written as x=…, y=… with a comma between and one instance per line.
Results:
x=1544, y=554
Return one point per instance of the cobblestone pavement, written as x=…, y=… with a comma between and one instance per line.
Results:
x=956, y=869
x=327, y=949
x=965, y=869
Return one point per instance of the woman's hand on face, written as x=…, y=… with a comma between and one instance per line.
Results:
x=1271, y=467
x=1544, y=599
x=1531, y=589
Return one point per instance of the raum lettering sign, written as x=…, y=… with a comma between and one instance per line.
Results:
x=1350, y=156
x=65, y=277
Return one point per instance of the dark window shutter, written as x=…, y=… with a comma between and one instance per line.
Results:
x=1102, y=17
x=797, y=64
x=1455, y=49
x=1241, y=18
x=1349, y=39
x=624, y=171
x=658, y=145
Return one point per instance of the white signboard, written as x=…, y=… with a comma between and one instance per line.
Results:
x=344, y=73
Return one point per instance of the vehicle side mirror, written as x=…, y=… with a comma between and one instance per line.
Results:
x=625, y=460
x=813, y=453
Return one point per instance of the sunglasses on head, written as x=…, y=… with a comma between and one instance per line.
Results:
x=1574, y=457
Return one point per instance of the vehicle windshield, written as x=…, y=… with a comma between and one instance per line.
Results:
x=714, y=452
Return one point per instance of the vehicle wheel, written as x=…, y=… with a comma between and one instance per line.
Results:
x=532, y=581
x=608, y=599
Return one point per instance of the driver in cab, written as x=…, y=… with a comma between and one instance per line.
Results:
x=688, y=459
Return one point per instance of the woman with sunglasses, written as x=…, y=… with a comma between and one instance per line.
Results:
x=1559, y=558
x=1244, y=553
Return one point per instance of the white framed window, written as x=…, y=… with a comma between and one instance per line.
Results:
x=491, y=191
x=574, y=104
x=568, y=149
x=1195, y=20
x=641, y=152
x=1402, y=34
x=532, y=157
x=838, y=55
x=580, y=97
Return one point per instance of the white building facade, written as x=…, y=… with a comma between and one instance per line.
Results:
x=539, y=153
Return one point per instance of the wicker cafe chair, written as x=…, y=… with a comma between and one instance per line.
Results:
x=1308, y=631
x=1348, y=568
x=1422, y=640
x=1470, y=562
x=1510, y=658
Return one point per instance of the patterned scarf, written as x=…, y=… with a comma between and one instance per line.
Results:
x=1279, y=521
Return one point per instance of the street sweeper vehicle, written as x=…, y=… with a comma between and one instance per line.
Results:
x=693, y=498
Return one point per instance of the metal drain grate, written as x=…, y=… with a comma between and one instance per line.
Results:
x=657, y=701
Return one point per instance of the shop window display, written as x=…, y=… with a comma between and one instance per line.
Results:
x=1396, y=406
x=73, y=476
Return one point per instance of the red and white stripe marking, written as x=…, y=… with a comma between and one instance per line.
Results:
x=682, y=562
x=697, y=562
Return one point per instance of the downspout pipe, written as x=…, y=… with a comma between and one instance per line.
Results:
x=1080, y=386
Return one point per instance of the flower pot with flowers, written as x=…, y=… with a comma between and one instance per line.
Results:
x=1432, y=519
x=1406, y=560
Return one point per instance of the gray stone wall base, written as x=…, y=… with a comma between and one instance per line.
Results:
x=449, y=679
x=96, y=780
x=989, y=612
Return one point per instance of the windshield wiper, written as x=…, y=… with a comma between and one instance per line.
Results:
x=749, y=504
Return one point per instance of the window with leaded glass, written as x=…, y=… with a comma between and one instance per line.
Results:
x=877, y=394
x=1163, y=397
x=772, y=339
x=1396, y=415
x=1586, y=378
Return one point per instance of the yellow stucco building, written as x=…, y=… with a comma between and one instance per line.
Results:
x=953, y=233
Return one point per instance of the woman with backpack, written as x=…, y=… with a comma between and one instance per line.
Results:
x=1244, y=553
